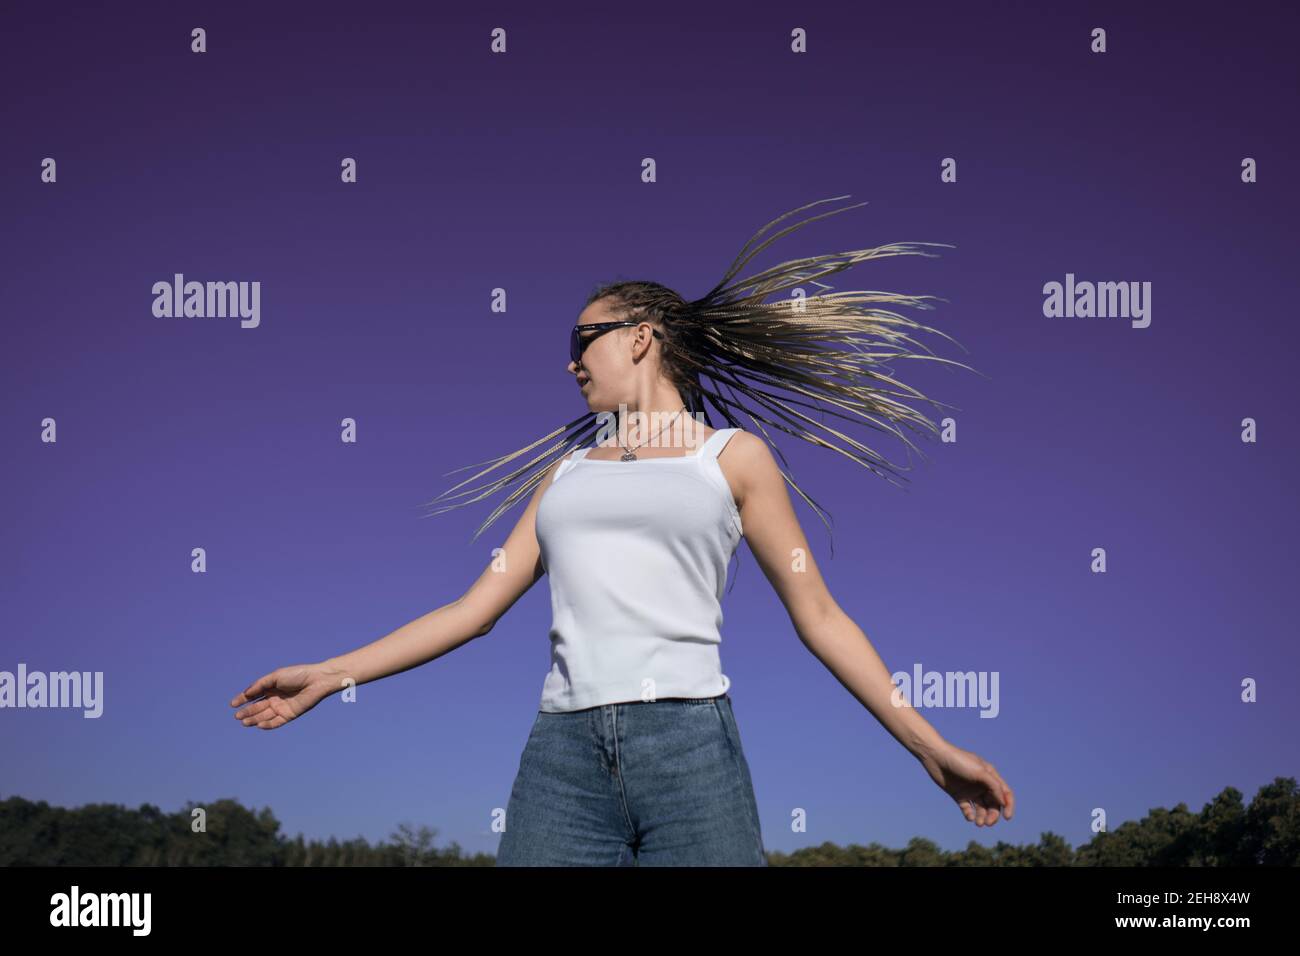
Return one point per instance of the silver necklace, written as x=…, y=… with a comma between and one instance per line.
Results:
x=630, y=454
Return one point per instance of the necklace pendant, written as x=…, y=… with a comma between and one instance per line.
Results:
x=629, y=456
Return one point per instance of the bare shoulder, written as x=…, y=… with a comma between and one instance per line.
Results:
x=748, y=463
x=746, y=447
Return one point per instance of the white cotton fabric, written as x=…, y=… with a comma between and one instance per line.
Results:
x=637, y=555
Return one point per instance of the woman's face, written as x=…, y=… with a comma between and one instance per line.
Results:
x=605, y=361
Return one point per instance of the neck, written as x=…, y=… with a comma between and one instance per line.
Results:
x=656, y=420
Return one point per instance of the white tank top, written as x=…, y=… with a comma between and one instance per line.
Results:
x=637, y=554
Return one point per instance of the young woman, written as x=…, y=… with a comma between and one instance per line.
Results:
x=635, y=757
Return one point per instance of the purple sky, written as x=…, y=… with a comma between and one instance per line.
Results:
x=522, y=171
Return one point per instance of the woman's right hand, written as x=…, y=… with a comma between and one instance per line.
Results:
x=284, y=694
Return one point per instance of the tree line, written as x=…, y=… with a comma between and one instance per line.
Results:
x=1225, y=832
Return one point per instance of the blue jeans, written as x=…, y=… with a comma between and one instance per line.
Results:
x=656, y=783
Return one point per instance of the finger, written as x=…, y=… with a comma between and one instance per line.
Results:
x=1008, y=797
x=252, y=710
x=277, y=714
x=988, y=809
x=1008, y=800
x=1003, y=797
x=993, y=796
x=254, y=690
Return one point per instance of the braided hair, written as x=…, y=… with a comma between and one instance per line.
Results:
x=729, y=345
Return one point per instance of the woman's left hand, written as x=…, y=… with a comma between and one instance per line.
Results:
x=972, y=782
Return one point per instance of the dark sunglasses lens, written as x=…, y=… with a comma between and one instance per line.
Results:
x=575, y=346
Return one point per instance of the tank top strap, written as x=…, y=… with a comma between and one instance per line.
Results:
x=714, y=444
x=574, y=457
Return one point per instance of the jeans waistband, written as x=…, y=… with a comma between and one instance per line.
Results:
x=718, y=698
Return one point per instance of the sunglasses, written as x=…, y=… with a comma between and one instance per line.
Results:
x=579, y=340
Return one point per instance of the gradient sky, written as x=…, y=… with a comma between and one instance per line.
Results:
x=523, y=171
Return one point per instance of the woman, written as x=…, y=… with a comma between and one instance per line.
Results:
x=634, y=757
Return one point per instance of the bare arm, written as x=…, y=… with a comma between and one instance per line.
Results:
x=287, y=693
x=514, y=569
x=778, y=544
x=782, y=551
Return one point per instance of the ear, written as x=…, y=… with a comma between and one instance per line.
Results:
x=641, y=339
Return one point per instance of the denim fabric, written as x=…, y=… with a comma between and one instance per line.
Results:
x=657, y=783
